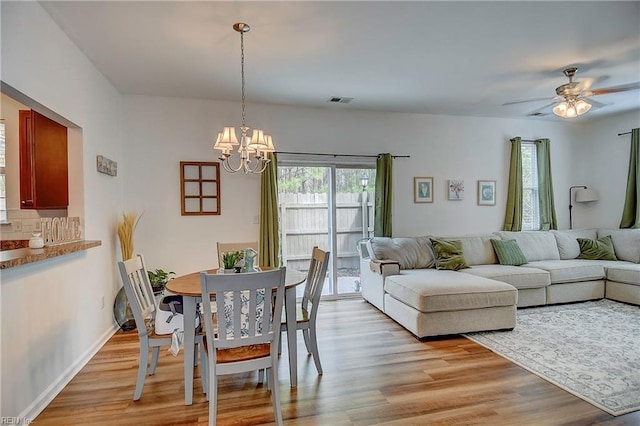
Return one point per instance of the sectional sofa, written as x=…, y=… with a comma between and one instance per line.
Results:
x=399, y=278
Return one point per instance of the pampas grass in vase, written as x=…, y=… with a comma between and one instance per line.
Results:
x=126, y=226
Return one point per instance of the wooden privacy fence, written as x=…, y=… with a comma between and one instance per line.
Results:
x=304, y=223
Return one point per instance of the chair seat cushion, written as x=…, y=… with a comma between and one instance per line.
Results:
x=571, y=270
x=429, y=290
x=520, y=277
x=628, y=274
x=241, y=353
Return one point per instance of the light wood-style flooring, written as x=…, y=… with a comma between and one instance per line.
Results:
x=375, y=372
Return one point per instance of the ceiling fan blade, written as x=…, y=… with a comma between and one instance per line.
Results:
x=584, y=83
x=529, y=100
x=613, y=89
x=596, y=104
x=538, y=112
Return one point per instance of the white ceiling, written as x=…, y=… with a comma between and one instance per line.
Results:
x=454, y=58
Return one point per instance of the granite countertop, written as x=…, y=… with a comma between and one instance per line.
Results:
x=22, y=256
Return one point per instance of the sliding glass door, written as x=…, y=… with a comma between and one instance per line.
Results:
x=328, y=206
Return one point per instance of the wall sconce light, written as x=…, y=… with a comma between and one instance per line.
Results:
x=583, y=195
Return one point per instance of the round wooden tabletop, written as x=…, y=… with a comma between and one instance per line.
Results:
x=189, y=285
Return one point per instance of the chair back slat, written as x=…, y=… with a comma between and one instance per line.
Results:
x=138, y=289
x=315, y=279
x=245, y=307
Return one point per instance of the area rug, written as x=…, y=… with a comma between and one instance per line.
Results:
x=590, y=349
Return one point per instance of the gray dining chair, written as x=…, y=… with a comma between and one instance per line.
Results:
x=307, y=310
x=244, y=333
x=144, y=306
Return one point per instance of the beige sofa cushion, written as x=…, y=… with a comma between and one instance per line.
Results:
x=410, y=252
x=477, y=249
x=626, y=243
x=430, y=290
x=570, y=271
x=628, y=274
x=567, y=241
x=535, y=245
x=520, y=277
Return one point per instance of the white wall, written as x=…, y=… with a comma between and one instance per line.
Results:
x=51, y=316
x=602, y=163
x=164, y=131
x=149, y=136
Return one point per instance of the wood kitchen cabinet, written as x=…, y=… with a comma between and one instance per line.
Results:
x=44, y=176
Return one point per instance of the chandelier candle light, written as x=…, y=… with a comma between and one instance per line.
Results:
x=252, y=150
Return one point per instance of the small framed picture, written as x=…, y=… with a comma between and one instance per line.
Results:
x=423, y=190
x=486, y=192
x=456, y=189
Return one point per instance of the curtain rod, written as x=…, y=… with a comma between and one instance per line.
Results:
x=626, y=133
x=338, y=155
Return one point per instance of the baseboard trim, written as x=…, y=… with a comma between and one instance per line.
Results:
x=45, y=398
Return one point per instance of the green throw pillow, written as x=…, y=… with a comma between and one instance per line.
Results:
x=508, y=252
x=600, y=249
x=448, y=254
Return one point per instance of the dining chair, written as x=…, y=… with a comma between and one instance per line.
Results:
x=244, y=335
x=226, y=247
x=144, y=306
x=307, y=311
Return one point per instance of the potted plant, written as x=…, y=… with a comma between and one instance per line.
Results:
x=230, y=261
x=159, y=279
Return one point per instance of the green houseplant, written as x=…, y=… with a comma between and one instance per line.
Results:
x=230, y=259
x=159, y=279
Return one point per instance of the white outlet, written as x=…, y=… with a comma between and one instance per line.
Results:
x=256, y=219
x=102, y=302
x=17, y=225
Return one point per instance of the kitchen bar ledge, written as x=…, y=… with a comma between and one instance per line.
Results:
x=13, y=258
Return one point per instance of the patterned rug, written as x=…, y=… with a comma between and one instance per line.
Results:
x=590, y=349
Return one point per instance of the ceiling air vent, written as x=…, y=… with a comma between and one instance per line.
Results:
x=339, y=100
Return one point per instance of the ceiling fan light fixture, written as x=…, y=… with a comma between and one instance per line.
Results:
x=561, y=109
x=582, y=107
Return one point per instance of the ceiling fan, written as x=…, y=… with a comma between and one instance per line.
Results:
x=574, y=98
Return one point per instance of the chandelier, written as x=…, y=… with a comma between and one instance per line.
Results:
x=571, y=107
x=252, y=150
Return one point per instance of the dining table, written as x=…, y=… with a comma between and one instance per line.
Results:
x=189, y=287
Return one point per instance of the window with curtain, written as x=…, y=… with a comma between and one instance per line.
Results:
x=530, y=200
x=530, y=195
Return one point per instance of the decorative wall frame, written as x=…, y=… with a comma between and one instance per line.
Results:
x=423, y=190
x=106, y=166
x=455, y=189
x=199, y=188
x=486, y=192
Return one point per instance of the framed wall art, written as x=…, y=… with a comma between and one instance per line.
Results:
x=486, y=192
x=106, y=166
x=423, y=190
x=455, y=189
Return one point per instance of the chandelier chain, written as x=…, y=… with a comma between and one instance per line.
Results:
x=242, y=74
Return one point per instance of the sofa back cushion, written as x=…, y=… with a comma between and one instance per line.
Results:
x=535, y=245
x=626, y=243
x=410, y=252
x=567, y=241
x=477, y=249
